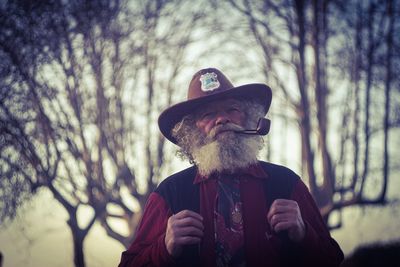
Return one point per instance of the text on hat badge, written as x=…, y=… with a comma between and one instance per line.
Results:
x=209, y=81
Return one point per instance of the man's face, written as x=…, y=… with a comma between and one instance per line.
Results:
x=219, y=113
x=209, y=138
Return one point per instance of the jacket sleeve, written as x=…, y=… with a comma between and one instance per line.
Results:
x=318, y=247
x=148, y=247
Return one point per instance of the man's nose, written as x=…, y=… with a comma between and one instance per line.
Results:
x=222, y=118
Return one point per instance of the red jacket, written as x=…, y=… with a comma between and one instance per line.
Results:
x=189, y=190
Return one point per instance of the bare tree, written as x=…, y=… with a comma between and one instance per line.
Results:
x=81, y=86
x=297, y=37
x=370, y=61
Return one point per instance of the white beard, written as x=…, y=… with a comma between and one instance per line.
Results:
x=228, y=152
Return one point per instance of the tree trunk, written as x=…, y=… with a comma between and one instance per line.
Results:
x=368, y=85
x=325, y=192
x=389, y=43
x=304, y=109
x=78, y=236
x=357, y=78
x=78, y=251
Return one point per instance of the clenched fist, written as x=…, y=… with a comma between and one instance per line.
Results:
x=184, y=228
x=285, y=214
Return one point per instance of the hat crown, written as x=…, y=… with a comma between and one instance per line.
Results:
x=206, y=82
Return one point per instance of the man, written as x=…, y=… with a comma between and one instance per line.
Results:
x=229, y=209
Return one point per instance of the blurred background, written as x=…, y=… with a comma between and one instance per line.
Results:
x=83, y=82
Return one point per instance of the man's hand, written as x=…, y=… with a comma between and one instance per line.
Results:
x=184, y=228
x=285, y=214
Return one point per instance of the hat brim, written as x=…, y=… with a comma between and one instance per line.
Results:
x=172, y=115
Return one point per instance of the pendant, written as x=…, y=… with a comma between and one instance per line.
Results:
x=236, y=214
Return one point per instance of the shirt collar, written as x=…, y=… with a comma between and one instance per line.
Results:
x=255, y=170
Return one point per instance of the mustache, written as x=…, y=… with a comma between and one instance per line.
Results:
x=223, y=128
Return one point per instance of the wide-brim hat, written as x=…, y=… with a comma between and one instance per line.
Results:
x=208, y=85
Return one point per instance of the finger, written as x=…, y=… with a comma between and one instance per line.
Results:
x=188, y=213
x=188, y=231
x=273, y=209
x=282, y=226
x=282, y=217
x=174, y=234
x=283, y=209
x=280, y=207
x=283, y=202
x=188, y=221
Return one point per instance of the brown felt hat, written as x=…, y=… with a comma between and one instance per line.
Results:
x=209, y=85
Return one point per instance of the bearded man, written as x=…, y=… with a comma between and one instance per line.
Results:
x=229, y=208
